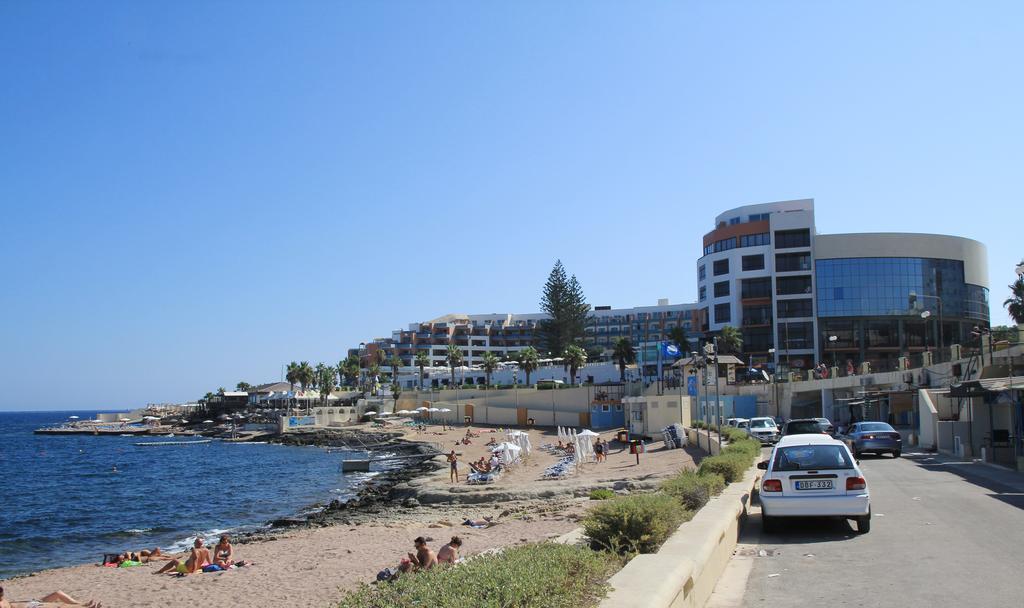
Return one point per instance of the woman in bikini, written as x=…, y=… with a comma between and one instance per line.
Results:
x=223, y=552
x=453, y=460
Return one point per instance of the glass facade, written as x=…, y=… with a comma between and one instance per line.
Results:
x=867, y=287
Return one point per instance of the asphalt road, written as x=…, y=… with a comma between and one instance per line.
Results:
x=943, y=534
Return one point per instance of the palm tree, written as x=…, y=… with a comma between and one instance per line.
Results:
x=243, y=386
x=730, y=339
x=396, y=392
x=489, y=363
x=528, y=361
x=325, y=381
x=221, y=390
x=292, y=376
x=623, y=354
x=575, y=357
x=395, y=364
x=454, y=358
x=304, y=375
x=350, y=368
x=422, y=360
x=1015, y=303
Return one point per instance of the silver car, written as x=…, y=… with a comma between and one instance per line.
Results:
x=763, y=429
x=874, y=437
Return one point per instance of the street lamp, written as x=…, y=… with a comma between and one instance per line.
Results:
x=925, y=315
x=913, y=298
x=775, y=385
x=832, y=345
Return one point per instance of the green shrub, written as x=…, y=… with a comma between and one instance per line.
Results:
x=693, y=490
x=745, y=445
x=545, y=575
x=634, y=524
x=699, y=424
x=731, y=466
x=601, y=494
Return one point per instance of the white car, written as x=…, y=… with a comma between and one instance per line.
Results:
x=736, y=422
x=763, y=429
x=813, y=476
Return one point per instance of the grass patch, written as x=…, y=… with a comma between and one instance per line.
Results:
x=634, y=524
x=545, y=575
x=731, y=466
x=692, y=489
x=601, y=494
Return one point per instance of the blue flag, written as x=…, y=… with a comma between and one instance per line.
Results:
x=670, y=350
x=691, y=385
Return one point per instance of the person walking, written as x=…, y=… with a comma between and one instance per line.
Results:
x=453, y=461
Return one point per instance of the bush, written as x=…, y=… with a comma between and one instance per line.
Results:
x=731, y=466
x=746, y=445
x=634, y=524
x=545, y=575
x=693, y=490
x=601, y=494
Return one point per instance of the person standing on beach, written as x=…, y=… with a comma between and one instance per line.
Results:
x=453, y=461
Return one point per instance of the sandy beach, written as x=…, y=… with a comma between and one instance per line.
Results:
x=313, y=567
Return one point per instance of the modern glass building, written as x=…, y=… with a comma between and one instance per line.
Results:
x=800, y=297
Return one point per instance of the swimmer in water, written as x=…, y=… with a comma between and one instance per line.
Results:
x=114, y=470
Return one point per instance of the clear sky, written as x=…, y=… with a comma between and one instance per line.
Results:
x=194, y=193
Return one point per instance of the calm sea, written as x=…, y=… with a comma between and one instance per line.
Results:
x=61, y=503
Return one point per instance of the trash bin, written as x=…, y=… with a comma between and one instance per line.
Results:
x=623, y=436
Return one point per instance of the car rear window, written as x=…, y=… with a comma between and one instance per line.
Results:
x=760, y=424
x=811, y=457
x=875, y=426
x=796, y=428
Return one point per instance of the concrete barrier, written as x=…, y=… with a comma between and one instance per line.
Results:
x=686, y=569
x=699, y=438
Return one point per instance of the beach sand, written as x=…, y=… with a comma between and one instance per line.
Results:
x=312, y=567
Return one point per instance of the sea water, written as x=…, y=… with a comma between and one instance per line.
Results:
x=63, y=503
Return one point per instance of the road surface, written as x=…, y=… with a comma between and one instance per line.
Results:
x=944, y=533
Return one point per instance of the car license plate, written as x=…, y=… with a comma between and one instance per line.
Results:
x=816, y=484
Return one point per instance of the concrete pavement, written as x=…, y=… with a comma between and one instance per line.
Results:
x=944, y=533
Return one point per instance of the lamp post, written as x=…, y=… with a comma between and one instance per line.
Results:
x=913, y=298
x=775, y=384
x=832, y=345
x=718, y=405
x=925, y=315
x=362, y=376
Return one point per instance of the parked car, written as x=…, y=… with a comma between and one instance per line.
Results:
x=826, y=426
x=735, y=422
x=763, y=429
x=802, y=426
x=813, y=475
x=874, y=437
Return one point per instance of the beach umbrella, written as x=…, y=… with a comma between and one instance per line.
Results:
x=588, y=433
x=422, y=408
x=433, y=409
x=405, y=411
x=72, y=417
x=207, y=421
x=370, y=413
x=444, y=410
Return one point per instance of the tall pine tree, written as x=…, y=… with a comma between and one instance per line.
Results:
x=564, y=301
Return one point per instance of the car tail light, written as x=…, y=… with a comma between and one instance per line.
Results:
x=855, y=483
x=771, y=485
x=869, y=437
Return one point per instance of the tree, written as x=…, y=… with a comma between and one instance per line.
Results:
x=454, y=358
x=304, y=375
x=243, y=386
x=221, y=390
x=730, y=340
x=422, y=360
x=395, y=362
x=324, y=381
x=595, y=352
x=623, y=355
x=489, y=363
x=528, y=361
x=1015, y=303
x=678, y=335
x=349, y=369
x=563, y=300
x=396, y=392
x=575, y=357
x=292, y=376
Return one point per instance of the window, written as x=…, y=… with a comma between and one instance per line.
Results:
x=703, y=293
x=760, y=314
x=788, y=286
x=721, y=267
x=702, y=273
x=723, y=245
x=722, y=313
x=820, y=457
x=790, y=262
x=757, y=339
x=795, y=308
x=753, y=262
x=733, y=221
x=787, y=239
x=796, y=335
x=755, y=240
x=756, y=288
x=754, y=217
x=721, y=289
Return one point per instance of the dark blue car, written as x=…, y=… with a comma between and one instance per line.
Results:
x=874, y=437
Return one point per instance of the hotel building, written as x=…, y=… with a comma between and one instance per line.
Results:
x=800, y=297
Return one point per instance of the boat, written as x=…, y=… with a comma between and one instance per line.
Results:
x=160, y=443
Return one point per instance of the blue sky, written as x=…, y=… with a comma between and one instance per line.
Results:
x=196, y=193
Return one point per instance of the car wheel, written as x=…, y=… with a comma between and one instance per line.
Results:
x=864, y=523
x=768, y=523
x=897, y=454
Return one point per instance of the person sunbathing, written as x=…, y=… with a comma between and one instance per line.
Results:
x=198, y=559
x=424, y=558
x=223, y=552
x=57, y=597
x=449, y=554
x=492, y=442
